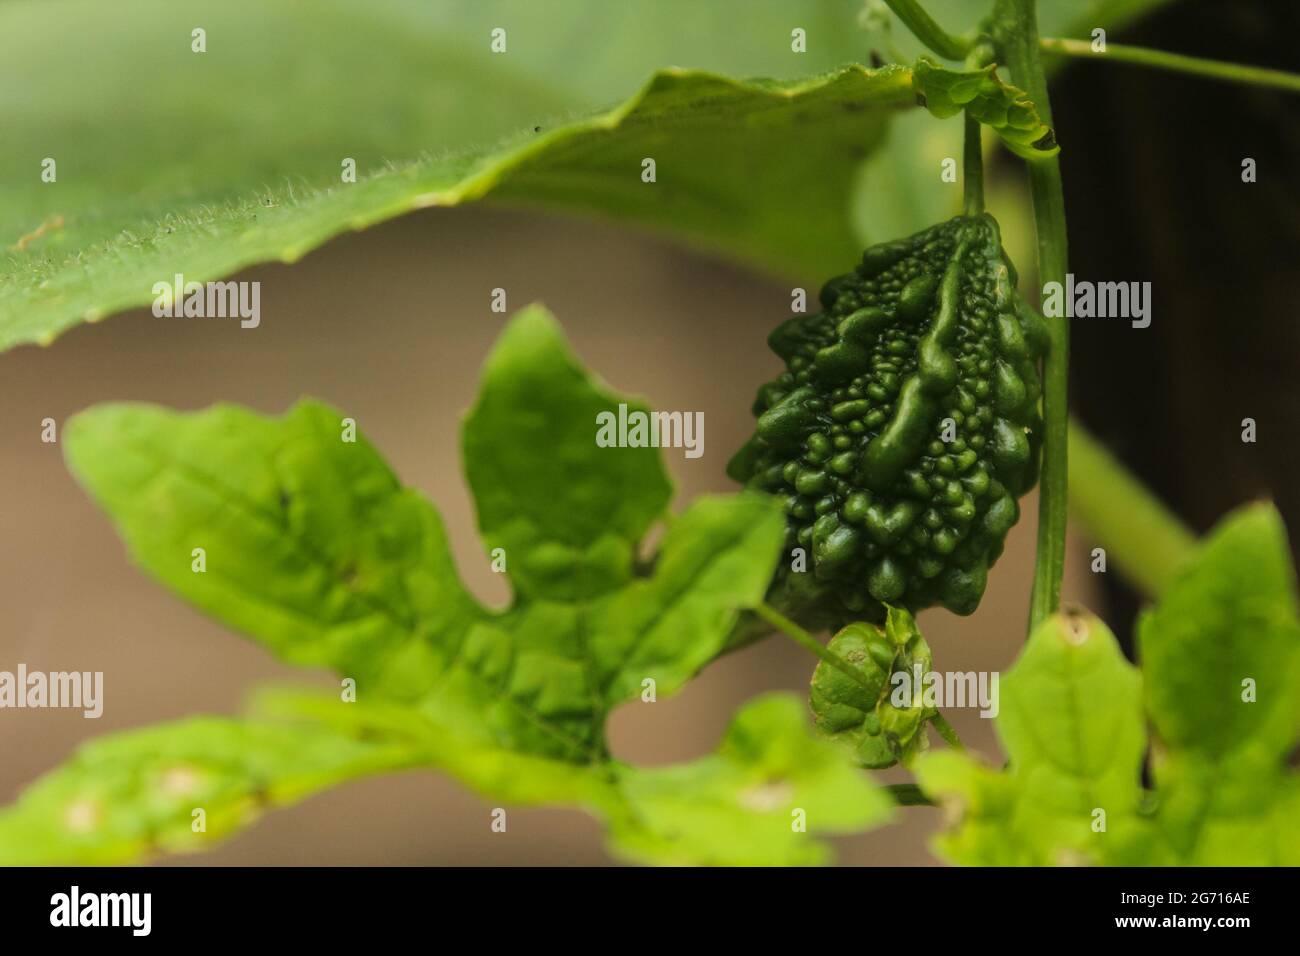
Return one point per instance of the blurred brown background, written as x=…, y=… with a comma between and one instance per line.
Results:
x=391, y=326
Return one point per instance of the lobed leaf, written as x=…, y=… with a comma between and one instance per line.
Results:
x=312, y=546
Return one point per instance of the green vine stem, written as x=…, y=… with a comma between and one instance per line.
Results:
x=909, y=795
x=1147, y=543
x=1157, y=59
x=1015, y=30
x=927, y=31
x=972, y=168
x=947, y=731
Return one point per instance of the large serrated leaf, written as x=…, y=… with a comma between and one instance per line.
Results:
x=174, y=162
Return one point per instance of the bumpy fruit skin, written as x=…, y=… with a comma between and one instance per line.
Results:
x=904, y=428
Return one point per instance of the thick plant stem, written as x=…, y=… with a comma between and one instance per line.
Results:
x=927, y=31
x=1158, y=59
x=1146, y=541
x=1016, y=36
x=972, y=168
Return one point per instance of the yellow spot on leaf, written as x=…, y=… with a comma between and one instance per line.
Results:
x=82, y=816
x=767, y=797
x=180, y=781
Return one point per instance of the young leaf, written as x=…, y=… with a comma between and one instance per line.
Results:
x=1003, y=108
x=245, y=141
x=915, y=196
x=1220, y=661
x=136, y=794
x=861, y=713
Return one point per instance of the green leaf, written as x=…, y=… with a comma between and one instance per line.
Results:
x=732, y=807
x=542, y=677
x=716, y=557
x=243, y=143
x=567, y=513
x=755, y=803
x=309, y=542
x=1004, y=109
x=1222, y=657
x=313, y=547
x=236, y=158
x=862, y=713
x=134, y=794
x=1072, y=727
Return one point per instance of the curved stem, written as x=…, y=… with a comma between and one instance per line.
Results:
x=909, y=795
x=1158, y=59
x=805, y=640
x=1148, y=543
x=927, y=31
x=1016, y=34
x=972, y=168
x=946, y=731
